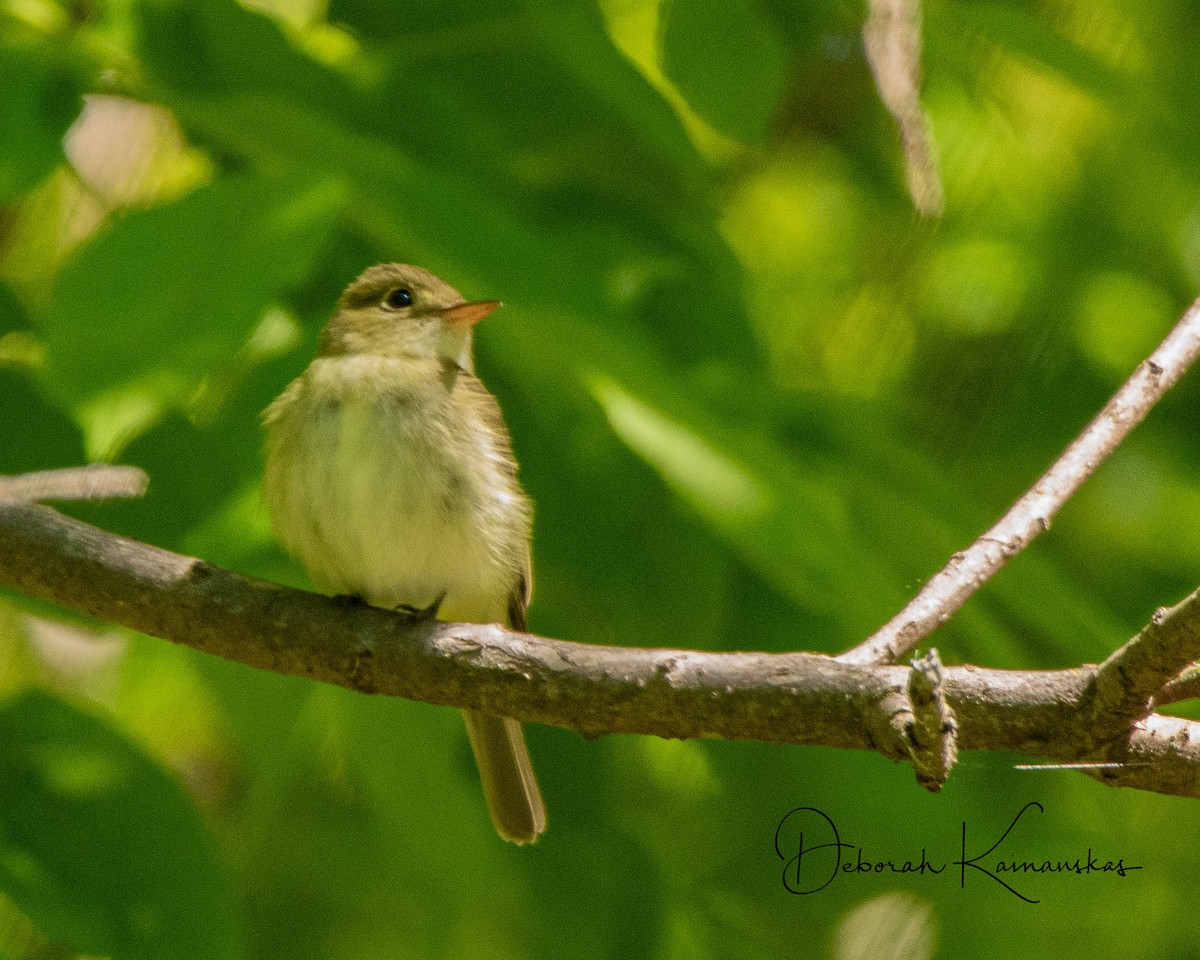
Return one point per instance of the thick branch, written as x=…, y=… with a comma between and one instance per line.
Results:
x=781, y=698
x=969, y=570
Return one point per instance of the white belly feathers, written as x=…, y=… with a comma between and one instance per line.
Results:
x=377, y=499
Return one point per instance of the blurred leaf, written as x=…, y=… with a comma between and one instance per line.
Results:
x=792, y=525
x=13, y=315
x=34, y=435
x=727, y=61
x=43, y=94
x=893, y=926
x=378, y=20
x=447, y=167
x=1020, y=28
x=180, y=496
x=170, y=292
x=482, y=241
x=473, y=58
x=788, y=440
x=100, y=847
x=219, y=47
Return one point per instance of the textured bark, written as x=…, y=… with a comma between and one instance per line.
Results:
x=792, y=698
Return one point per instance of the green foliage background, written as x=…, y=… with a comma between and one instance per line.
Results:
x=756, y=399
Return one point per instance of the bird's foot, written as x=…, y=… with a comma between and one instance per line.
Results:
x=420, y=614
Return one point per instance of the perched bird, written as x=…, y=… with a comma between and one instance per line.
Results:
x=391, y=476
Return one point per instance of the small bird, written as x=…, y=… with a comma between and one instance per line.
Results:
x=391, y=476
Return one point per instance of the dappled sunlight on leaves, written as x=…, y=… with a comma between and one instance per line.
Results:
x=757, y=398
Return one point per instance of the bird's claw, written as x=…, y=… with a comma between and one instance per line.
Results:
x=420, y=614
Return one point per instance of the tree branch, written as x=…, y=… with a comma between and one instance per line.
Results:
x=969, y=570
x=1186, y=686
x=892, y=40
x=97, y=481
x=1128, y=681
x=796, y=698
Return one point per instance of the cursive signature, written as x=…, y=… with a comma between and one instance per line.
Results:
x=815, y=855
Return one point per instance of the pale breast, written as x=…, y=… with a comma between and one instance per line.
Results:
x=386, y=483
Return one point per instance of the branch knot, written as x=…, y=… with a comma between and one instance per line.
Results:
x=931, y=730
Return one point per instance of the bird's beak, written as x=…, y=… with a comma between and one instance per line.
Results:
x=470, y=313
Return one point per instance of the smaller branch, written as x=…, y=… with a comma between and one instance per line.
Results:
x=892, y=38
x=97, y=481
x=969, y=570
x=1186, y=686
x=1127, y=682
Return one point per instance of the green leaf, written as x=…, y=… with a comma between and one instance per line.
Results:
x=377, y=19
x=727, y=61
x=34, y=435
x=100, y=847
x=169, y=293
x=435, y=217
x=12, y=312
x=447, y=166
x=43, y=95
x=1024, y=31
x=211, y=47
x=791, y=525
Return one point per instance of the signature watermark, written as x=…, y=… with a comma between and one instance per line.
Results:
x=815, y=856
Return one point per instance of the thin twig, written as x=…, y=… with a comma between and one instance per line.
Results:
x=969, y=570
x=97, y=481
x=892, y=38
x=1186, y=686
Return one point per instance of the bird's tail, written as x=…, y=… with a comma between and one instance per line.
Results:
x=512, y=793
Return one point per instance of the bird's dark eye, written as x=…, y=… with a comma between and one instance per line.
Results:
x=399, y=298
